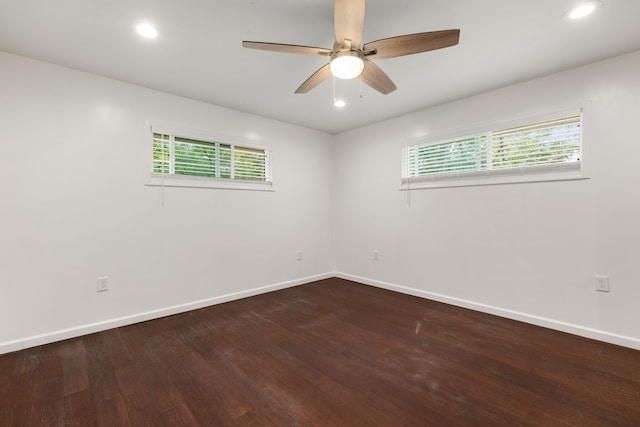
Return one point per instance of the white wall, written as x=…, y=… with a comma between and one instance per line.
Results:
x=73, y=206
x=525, y=251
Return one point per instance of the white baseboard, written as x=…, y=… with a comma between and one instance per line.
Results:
x=36, y=340
x=574, y=329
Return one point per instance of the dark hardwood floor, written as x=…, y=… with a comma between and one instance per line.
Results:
x=328, y=353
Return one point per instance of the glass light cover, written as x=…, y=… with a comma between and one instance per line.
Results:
x=346, y=67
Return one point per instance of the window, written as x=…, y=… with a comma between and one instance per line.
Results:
x=546, y=150
x=185, y=161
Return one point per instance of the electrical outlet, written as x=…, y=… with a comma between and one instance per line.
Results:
x=602, y=283
x=299, y=255
x=103, y=284
x=376, y=255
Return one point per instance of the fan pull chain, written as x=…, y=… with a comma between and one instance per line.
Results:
x=334, y=90
x=163, y=190
x=361, y=92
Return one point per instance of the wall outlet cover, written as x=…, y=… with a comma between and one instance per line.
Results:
x=602, y=283
x=103, y=284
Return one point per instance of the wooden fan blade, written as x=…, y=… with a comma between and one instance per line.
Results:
x=373, y=76
x=286, y=48
x=316, y=78
x=348, y=21
x=412, y=43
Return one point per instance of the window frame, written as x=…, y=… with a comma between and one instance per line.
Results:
x=173, y=180
x=537, y=173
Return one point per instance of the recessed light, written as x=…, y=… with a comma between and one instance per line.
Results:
x=583, y=9
x=339, y=103
x=147, y=31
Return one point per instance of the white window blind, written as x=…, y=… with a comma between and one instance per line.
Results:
x=544, y=147
x=548, y=143
x=449, y=156
x=179, y=156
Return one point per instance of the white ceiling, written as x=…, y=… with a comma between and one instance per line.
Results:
x=199, y=55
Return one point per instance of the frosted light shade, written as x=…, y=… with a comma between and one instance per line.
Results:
x=346, y=67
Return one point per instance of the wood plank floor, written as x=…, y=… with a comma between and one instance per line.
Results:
x=328, y=353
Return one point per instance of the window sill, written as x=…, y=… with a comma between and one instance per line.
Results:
x=468, y=181
x=156, y=180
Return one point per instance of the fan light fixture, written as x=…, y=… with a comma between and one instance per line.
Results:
x=350, y=58
x=346, y=64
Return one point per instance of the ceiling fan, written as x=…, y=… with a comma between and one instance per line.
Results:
x=348, y=59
